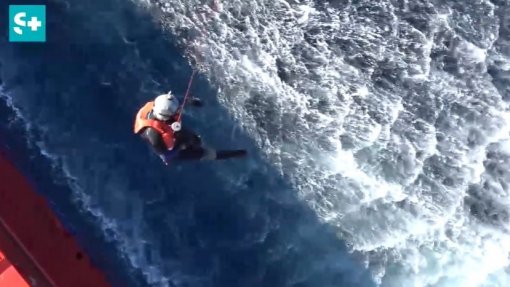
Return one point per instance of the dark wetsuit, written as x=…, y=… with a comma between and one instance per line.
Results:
x=188, y=145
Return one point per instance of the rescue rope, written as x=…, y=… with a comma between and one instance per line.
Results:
x=186, y=96
x=214, y=7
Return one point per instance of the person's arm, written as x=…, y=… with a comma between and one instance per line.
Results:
x=155, y=140
x=157, y=143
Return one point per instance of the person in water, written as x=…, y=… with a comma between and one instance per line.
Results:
x=158, y=123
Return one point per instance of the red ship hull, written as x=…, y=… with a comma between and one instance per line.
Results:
x=9, y=276
x=34, y=243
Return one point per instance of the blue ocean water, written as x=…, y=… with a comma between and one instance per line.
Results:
x=143, y=223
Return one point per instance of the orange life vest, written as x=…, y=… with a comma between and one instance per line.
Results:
x=164, y=130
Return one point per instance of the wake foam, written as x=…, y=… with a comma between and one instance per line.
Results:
x=383, y=116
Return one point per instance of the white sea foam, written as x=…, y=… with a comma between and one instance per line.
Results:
x=389, y=161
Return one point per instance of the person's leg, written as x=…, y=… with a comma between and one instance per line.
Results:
x=187, y=139
x=192, y=147
x=191, y=154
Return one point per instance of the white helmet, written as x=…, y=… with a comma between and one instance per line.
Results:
x=165, y=106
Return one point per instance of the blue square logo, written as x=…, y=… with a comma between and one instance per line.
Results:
x=27, y=23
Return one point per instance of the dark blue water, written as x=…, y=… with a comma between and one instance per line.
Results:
x=80, y=91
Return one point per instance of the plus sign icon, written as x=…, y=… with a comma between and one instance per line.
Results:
x=27, y=23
